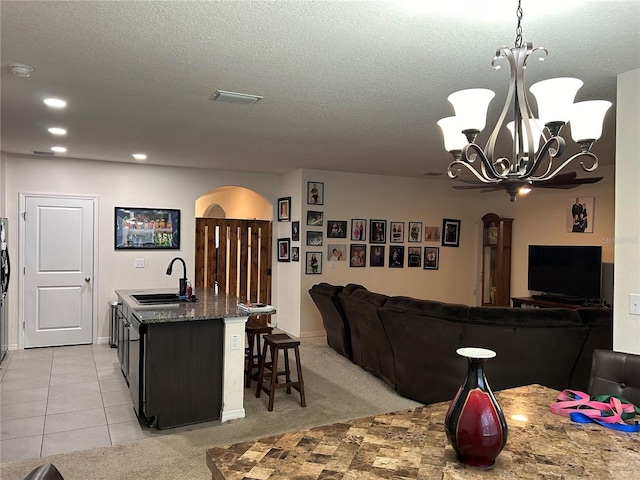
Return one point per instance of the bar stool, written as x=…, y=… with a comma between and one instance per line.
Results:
x=274, y=343
x=255, y=328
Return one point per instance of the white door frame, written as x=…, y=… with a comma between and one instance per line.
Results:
x=22, y=249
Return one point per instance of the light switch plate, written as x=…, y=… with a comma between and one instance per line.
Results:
x=139, y=263
x=235, y=342
x=634, y=304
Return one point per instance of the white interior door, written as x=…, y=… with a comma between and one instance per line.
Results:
x=58, y=271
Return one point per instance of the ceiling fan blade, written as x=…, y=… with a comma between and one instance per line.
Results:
x=569, y=183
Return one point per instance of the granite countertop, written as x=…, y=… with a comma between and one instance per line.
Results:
x=209, y=306
x=412, y=444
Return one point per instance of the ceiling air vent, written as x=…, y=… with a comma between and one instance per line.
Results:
x=47, y=153
x=233, y=97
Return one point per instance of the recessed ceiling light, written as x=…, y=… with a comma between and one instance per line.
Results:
x=55, y=102
x=59, y=149
x=57, y=131
x=21, y=70
x=139, y=156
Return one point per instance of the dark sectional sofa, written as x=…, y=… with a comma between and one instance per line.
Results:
x=411, y=344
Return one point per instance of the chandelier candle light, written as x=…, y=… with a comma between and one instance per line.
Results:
x=556, y=107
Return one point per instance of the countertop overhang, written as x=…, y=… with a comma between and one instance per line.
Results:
x=210, y=305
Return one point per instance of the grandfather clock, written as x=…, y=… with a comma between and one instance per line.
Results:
x=496, y=260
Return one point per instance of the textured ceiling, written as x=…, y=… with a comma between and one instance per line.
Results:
x=347, y=86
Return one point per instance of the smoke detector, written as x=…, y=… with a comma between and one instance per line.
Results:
x=21, y=70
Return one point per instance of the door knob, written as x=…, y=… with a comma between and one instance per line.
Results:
x=87, y=279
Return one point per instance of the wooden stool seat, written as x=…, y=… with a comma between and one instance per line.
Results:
x=254, y=329
x=274, y=343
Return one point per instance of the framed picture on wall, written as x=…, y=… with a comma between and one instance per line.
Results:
x=313, y=263
x=283, y=249
x=357, y=255
x=580, y=214
x=358, y=229
x=376, y=255
x=414, y=257
x=396, y=257
x=295, y=231
x=337, y=252
x=295, y=254
x=315, y=193
x=415, y=232
x=336, y=229
x=146, y=228
x=431, y=234
x=314, y=238
x=284, y=209
x=451, y=233
x=396, y=232
x=431, y=258
x=378, y=231
x=314, y=219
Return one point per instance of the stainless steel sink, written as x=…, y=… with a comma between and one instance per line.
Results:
x=158, y=298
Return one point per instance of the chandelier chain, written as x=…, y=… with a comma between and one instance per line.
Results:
x=519, y=26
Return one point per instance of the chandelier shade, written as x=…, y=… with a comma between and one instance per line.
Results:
x=536, y=141
x=471, y=107
x=555, y=99
x=587, y=119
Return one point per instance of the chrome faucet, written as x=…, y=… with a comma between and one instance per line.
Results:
x=183, y=280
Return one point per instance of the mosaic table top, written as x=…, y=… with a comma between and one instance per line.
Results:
x=411, y=444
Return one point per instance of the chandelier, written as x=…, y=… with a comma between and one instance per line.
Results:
x=529, y=164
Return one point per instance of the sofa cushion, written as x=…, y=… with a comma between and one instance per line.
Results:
x=427, y=308
x=540, y=317
x=325, y=297
x=369, y=344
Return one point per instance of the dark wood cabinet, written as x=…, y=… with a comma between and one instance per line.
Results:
x=179, y=379
x=496, y=260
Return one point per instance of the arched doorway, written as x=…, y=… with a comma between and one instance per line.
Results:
x=233, y=243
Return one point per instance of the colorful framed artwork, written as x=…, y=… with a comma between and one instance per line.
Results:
x=337, y=252
x=284, y=209
x=396, y=232
x=378, y=231
x=431, y=258
x=358, y=229
x=315, y=193
x=146, y=228
x=283, y=249
x=358, y=255
x=451, y=233
x=313, y=263
x=415, y=232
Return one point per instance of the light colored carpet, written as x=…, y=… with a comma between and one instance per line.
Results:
x=336, y=390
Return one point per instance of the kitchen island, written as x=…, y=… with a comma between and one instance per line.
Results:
x=184, y=361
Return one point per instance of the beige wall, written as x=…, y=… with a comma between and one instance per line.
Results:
x=119, y=184
x=626, y=335
x=539, y=218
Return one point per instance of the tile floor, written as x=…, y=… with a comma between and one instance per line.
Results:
x=63, y=399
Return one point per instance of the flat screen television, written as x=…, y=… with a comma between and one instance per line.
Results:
x=565, y=271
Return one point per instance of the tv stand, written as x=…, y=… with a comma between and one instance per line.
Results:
x=547, y=302
x=545, y=297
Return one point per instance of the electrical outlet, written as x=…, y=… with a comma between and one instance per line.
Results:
x=139, y=263
x=634, y=304
x=235, y=342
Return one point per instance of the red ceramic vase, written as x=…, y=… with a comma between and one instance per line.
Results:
x=475, y=424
